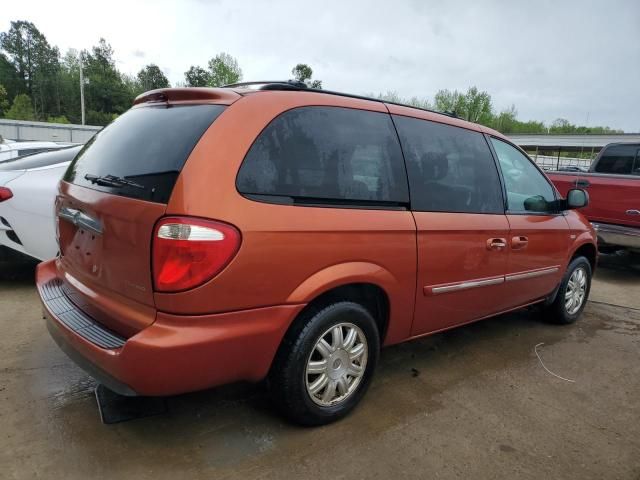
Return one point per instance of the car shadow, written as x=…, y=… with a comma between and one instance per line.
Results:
x=16, y=267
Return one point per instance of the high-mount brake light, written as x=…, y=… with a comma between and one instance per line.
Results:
x=188, y=252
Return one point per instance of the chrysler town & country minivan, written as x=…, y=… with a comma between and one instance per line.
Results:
x=272, y=231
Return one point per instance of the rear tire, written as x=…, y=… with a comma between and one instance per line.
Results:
x=326, y=364
x=573, y=293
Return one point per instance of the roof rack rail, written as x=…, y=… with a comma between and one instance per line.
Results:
x=270, y=85
x=298, y=85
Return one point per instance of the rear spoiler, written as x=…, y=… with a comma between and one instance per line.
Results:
x=220, y=96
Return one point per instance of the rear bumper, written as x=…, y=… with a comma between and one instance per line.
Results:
x=175, y=354
x=617, y=235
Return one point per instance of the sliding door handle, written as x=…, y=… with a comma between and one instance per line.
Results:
x=633, y=212
x=520, y=242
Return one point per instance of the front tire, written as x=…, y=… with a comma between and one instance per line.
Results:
x=326, y=364
x=573, y=293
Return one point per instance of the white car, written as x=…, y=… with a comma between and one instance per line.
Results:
x=10, y=149
x=28, y=188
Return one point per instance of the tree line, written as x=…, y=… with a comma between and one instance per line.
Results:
x=477, y=106
x=37, y=82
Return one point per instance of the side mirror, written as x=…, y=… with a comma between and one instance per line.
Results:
x=577, y=198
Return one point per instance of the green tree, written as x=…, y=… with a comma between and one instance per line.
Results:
x=303, y=73
x=196, y=76
x=69, y=86
x=59, y=119
x=36, y=64
x=22, y=108
x=151, y=77
x=393, y=97
x=4, y=100
x=106, y=92
x=9, y=78
x=474, y=106
x=223, y=70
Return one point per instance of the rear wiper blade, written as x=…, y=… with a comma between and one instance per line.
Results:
x=111, y=181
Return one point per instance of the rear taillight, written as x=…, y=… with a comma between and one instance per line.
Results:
x=5, y=194
x=187, y=252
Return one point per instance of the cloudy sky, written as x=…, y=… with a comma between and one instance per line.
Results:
x=578, y=60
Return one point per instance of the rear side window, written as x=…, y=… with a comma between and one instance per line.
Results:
x=142, y=152
x=451, y=169
x=617, y=159
x=327, y=155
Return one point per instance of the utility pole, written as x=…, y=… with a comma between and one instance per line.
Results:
x=81, y=89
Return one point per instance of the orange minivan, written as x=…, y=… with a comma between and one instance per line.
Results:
x=273, y=231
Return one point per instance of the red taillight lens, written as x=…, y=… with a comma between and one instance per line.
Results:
x=187, y=252
x=5, y=194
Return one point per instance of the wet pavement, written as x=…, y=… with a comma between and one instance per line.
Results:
x=474, y=402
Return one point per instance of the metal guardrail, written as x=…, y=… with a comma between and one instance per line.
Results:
x=44, y=131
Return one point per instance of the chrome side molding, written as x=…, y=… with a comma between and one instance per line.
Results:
x=466, y=285
x=485, y=282
x=536, y=273
x=80, y=219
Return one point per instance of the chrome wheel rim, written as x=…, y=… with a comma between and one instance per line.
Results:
x=576, y=291
x=336, y=364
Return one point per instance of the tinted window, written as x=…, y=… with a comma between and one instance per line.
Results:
x=31, y=151
x=450, y=169
x=327, y=154
x=617, y=159
x=147, y=146
x=527, y=189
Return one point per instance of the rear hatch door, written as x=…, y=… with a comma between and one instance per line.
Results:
x=110, y=198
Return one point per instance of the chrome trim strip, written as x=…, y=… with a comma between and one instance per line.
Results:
x=67, y=213
x=466, y=285
x=623, y=236
x=80, y=219
x=534, y=274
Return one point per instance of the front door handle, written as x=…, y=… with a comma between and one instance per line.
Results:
x=633, y=212
x=496, y=243
x=520, y=242
x=583, y=183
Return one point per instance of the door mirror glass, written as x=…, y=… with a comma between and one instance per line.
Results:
x=577, y=198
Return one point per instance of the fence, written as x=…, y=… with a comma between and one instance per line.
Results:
x=43, y=131
x=556, y=163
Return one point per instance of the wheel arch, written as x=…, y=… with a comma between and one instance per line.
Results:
x=588, y=250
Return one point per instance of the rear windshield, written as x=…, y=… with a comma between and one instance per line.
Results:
x=141, y=153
